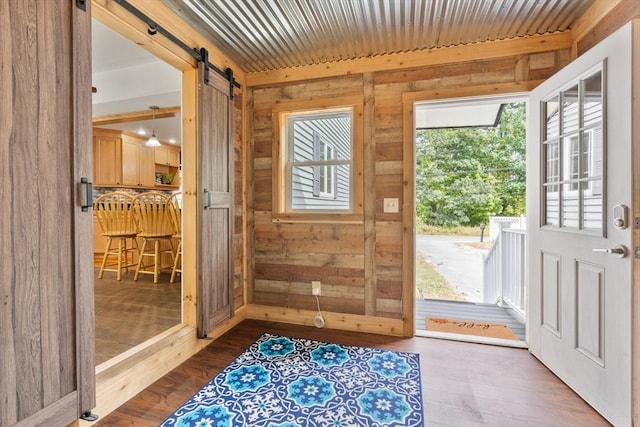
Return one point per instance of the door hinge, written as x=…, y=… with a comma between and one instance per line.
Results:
x=81, y=4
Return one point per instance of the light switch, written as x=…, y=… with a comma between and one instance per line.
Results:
x=391, y=205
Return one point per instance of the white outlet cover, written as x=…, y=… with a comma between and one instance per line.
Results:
x=391, y=205
x=315, y=288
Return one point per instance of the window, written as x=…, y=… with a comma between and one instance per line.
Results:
x=318, y=161
x=573, y=148
x=324, y=176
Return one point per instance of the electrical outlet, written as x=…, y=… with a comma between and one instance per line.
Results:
x=315, y=288
x=391, y=205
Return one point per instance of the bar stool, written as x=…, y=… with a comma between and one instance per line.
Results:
x=174, y=207
x=154, y=226
x=113, y=212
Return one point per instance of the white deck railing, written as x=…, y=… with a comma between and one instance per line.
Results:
x=504, y=269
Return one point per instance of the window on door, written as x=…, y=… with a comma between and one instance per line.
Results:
x=573, y=148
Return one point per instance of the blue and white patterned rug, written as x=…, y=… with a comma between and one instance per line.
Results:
x=291, y=382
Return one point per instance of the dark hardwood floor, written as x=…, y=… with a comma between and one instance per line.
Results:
x=130, y=312
x=463, y=384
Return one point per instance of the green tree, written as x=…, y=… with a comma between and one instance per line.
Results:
x=465, y=175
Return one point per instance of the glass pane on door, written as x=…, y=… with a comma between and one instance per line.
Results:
x=573, y=148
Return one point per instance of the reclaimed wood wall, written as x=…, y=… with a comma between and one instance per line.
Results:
x=239, y=226
x=360, y=265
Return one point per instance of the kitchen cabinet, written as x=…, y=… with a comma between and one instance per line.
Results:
x=138, y=166
x=107, y=157
x=122, y=159
x=167, y=161
x=167, y=156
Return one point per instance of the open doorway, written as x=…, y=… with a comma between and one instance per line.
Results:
x=136, y=96
x=470, y=226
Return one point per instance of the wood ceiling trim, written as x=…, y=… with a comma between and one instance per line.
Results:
x=465, y=92
x=135, y=116
x=464, y=53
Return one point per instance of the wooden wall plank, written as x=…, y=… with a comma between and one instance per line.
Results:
x=342, y=321
x=369, y=168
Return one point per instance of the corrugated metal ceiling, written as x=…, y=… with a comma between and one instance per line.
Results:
x=262, y=35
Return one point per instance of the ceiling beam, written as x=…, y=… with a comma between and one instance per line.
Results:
x=590, y=18
x=399, y=61
x=135, y=116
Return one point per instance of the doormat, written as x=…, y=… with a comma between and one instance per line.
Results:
x=286, y=382
x=470, y=327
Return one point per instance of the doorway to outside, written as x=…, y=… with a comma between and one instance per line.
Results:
x=470, y=226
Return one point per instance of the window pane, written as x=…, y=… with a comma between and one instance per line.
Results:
x=309, y=132
x=552, y=119
x=316, y=142
x=569, y=206
x=592, y=105
x=570, y=111
x=595, y=160
x=551, y=205
x=591, y=207
x=552, y=162
x=571, y=160
x=334, y=184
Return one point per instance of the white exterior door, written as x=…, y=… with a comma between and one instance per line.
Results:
x=579, y=183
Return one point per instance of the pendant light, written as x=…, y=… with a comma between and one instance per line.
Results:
x=153, y=141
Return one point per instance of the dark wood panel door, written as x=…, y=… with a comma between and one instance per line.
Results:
x=46, y=274
x=215, y=224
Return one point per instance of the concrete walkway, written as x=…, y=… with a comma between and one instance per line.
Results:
x=461, y=265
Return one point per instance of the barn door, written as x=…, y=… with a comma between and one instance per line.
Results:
x=580, y=238
x=47, y=370
x=215, y=225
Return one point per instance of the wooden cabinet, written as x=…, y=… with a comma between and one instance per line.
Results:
x=167, y=156
x=107, y=157
x=138, y=167
x=167, y=161
x=123, y=160
x=146, y=166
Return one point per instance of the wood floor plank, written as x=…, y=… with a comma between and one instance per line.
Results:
x=463, y=384
x=130, y=312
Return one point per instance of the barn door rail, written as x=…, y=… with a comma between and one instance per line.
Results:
x=199, y=55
